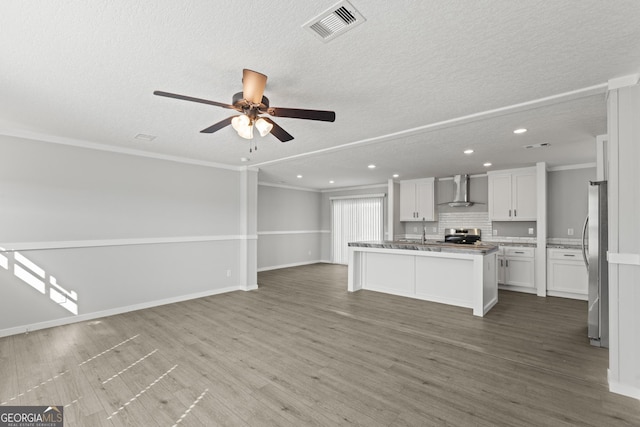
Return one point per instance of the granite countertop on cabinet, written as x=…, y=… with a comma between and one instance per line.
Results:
x=563, y=246
x=520, y=244
x=430, y=246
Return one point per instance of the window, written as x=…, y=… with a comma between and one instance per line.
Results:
x=355, y=219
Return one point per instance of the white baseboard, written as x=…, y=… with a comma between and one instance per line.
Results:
x=119, y=310
x=522, y=289
x=295, y=264
x=624, y=389
x=570, y=295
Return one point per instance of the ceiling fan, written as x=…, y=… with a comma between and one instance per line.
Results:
x=251, y=102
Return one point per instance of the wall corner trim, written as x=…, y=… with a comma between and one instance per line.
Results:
x=624, y=81
x=627, y=259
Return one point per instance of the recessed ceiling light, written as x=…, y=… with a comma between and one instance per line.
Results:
x=331, y=182
x=298, y=176
x=486, y=165
x=469, y=151
x=244, y=159
x=520, y=130
x=395, y=175
x=372, y=166
x=145, y=137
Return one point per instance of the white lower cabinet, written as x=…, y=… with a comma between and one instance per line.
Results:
x=516, y=268
x=566, y=274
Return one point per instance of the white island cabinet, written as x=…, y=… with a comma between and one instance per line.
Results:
x=460, y=275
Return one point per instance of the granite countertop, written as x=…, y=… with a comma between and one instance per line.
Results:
x=563, y=246
x=521, y=244
x=430, y=246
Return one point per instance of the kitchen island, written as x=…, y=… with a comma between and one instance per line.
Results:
x=454, y=274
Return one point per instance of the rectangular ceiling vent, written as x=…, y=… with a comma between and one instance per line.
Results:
x=336, y=20
x=539, y=145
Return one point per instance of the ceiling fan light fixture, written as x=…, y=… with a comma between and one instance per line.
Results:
x=242, y=125
x=246, y=132
x=250, y=103
x=263, y=126
x=239, y=122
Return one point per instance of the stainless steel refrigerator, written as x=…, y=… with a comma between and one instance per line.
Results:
x=594, y=251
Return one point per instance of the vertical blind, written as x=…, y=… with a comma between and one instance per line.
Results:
x=355, y=219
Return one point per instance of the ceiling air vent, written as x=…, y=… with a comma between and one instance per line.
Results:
x=540, y=145
x=336, y=20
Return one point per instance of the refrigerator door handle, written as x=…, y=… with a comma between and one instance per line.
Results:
x=584, y=245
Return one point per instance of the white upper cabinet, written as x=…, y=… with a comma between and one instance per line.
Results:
x=500, y=196
x=512, y=195
x=417, y=200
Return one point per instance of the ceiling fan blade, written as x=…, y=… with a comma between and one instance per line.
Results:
x=221, y=124
x=192, y=99
x=278, y=132
x=297, y=113
x=253, y=84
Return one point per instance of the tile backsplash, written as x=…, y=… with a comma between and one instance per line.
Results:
x=456, y=219
x=466, y=220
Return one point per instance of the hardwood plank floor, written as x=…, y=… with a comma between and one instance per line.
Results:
x=301, y=350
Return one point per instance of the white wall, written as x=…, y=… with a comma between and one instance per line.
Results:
x=121, y=231
x=289, y=229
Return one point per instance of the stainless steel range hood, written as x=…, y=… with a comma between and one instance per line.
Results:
x=460, y=192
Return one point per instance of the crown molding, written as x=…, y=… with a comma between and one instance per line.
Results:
x=34, y=136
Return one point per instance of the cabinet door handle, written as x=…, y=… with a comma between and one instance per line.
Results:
x=507, y=262
x=569, y=255
x=515, y=213
x=509, y=213
x=518, y=252
x=501, y=263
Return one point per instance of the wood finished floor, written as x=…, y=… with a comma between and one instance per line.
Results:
x=302, y=351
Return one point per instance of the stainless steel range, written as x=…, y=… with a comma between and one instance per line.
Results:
x=463, y=236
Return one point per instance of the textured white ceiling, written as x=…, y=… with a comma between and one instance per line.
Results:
x=412, y=87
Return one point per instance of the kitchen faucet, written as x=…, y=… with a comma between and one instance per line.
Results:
x=424, y=232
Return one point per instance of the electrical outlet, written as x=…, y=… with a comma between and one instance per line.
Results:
x=228, y=273
x=415, y=229
x=495, y=232
x=435, y=229
x=570, y=232
x=531, y=231
x=309, y=253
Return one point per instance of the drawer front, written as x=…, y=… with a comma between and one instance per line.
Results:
x=565, y=254
x=516, y=251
